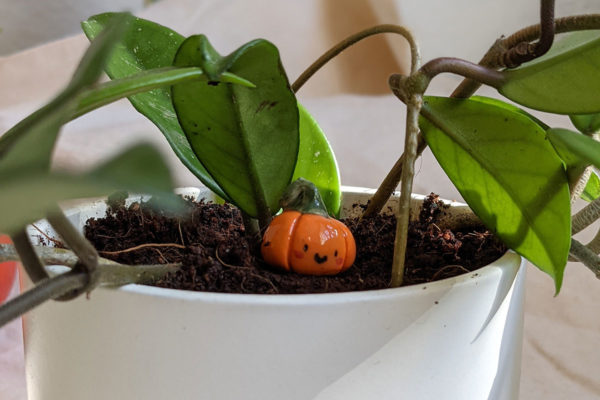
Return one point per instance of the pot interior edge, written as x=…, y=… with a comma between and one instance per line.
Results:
x=509, y=263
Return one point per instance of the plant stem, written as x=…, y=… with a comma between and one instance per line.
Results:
x=495, y=55
x=561, y=25
x=351, y=40
x=29, y=259
x=49, y=288
x=110, y=273
x=87, y=254
x=408, y=171
x=390, y=182
x=586, y=257
x=251, y=227
x=420, y=80
x=577, y=182
x=492, y=59
x=47, y=255
x=594, y=244
x=464, y=68
x=525, y=51
x=586, y=216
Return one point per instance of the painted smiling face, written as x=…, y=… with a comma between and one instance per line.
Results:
x=308, y=244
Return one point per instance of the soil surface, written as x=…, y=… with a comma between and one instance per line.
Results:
x=211, y=244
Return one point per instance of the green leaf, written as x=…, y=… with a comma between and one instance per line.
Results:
x=147, y=46
x=577, y=147
x=511, y=108
x=246, y=138
x=144, y=46
x=143, y=82
x=566, y=80
x=316, y=162
x=29, y=144
x=28, y=195
x=592, y=188
x=586, y=123
x=507, y=172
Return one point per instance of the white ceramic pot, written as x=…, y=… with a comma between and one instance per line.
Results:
x=458, y=338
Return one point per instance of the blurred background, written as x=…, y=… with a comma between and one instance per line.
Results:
x=40, y=46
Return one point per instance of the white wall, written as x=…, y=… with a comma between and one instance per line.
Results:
x=28, y=23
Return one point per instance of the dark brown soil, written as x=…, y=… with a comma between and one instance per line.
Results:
x=211, y=245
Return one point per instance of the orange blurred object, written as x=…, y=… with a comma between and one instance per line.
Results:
x=8, y=271
x=308, y=244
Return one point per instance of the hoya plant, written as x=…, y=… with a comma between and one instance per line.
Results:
x=234, y=121
x=245, y=138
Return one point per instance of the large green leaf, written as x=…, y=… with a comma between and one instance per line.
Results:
x=566, y=80
x=144, y=46
x=29, y=144
x=316, y=162
x=28, y=195
x=507, y=172
x=586, y=123
x=246, y=138
x=575, y=146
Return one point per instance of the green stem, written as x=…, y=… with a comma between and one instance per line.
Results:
x=251, y=227
x=594, y=244
x=390, y=182
x=29, y=259
x=418, y=82
x=49, y=288
x=110, y=274
x=586, y=256
x=578, y=179
x=586, y=216
x=492, y=59
x=408, y=171
x=87, y=254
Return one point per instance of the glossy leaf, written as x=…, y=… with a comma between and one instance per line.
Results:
x=510, y=108
x=147, y=45
x=317, y=163
x=577, y=146
x=566, y=80
x=592, y=188
x=586, y=123
x=246, y=138
x=143, y=82
x=507, y=172
x=29, y=144
x=27, y=196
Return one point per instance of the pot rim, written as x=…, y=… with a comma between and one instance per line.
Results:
x=503, y=265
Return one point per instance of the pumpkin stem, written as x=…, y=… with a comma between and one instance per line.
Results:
x=303, y=196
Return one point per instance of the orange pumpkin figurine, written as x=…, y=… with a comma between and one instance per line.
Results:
x=304, y=239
